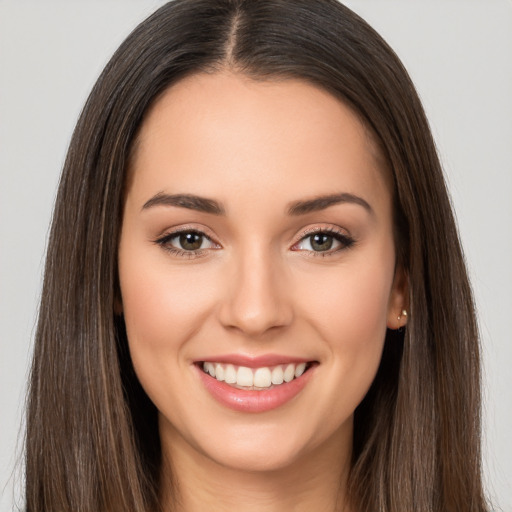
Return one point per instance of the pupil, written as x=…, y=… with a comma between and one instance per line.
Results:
x=321, y=242
x=191, y=241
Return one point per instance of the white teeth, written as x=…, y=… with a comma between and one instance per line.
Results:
x=209, y=368
x=244, y=376
x=289, y=373
x=277, y=375
x=300, y=369
x=256, y=378
x=262, y=378
x=219, y=372
x=230, y=374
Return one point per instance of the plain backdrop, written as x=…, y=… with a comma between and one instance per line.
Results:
x=459, y=53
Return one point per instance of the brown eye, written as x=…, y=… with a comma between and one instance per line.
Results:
x=186, y=242
x=190, y=241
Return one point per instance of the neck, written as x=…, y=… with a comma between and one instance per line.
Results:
x=315, y=481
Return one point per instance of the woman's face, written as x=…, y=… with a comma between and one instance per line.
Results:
x=257, y=246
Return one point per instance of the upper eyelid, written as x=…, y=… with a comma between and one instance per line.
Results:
x=173, y=232
x=204, y=231
x=322, y=229
x=342, y=235
x=164, y=240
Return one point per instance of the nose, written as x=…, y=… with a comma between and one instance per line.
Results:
x=257, y=299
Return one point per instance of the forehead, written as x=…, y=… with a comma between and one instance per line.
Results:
x=212, y=130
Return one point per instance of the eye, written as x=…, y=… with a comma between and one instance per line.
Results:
x=187, y=242
x=190, y=241
x=324, y=241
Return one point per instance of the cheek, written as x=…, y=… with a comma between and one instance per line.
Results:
x=355, y=299
x=349, y=316
x=348, y=308
x=156, y=305
x=163, y=307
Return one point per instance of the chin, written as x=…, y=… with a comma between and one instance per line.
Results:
x=255, y=458
x=267, y=446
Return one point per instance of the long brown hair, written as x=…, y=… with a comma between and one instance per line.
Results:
x=92, y=438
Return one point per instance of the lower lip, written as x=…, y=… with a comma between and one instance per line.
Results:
x=244, y=400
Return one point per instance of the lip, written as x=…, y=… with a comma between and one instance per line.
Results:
x=252, y=401
x=254, y=361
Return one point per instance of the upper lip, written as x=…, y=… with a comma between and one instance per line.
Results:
x=254, y=361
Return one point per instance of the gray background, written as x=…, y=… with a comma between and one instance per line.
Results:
x=459, y=53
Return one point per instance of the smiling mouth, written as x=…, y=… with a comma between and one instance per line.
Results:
x=257, y=379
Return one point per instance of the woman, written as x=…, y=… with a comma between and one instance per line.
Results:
x=254, y=296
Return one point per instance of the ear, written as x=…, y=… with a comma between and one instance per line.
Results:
x=398, y=304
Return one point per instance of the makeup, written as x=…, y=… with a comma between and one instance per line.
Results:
x=256, y=269
x=238, y=385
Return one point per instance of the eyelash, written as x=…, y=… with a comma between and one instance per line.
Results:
x=346, y=242
x=164, y=242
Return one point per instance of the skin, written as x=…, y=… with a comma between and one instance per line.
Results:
x=258, y=287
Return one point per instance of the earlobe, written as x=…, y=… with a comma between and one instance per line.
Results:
x=402, y=319
x=398, y=301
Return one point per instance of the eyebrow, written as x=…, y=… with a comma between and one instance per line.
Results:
x=189, y=201
x=205, y=205
x=322, y=202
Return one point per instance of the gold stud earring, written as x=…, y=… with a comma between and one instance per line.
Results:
x=403, y=313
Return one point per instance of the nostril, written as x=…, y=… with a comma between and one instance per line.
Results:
x=255, y=303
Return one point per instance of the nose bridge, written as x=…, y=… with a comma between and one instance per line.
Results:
x=257, y=298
